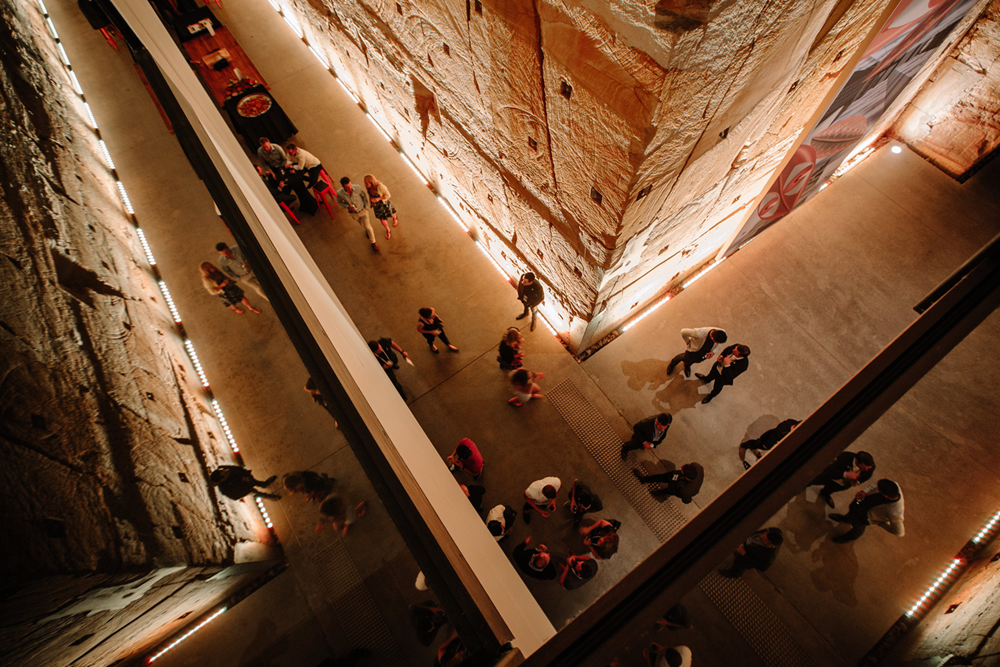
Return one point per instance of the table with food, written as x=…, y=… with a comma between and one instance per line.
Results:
x=255, y=114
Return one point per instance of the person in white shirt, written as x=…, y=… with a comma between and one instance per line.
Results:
x=541, y=496
x=500, y=520
x=882, y=503
x=303, y=165
x=701, y=345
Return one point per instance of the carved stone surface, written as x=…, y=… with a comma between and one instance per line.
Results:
x=954, y=121
x=104, y=442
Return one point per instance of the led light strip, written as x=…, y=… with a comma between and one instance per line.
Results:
x=944, y=580
x=170, y=301
x=646, y=313
x=189, y=346
x=225, y=426
x=145, y=246
x=172, y=645
x=263, y=511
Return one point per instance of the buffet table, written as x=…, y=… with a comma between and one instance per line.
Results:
x=255, y=114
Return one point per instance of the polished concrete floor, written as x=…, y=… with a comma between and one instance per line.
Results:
x=814, y=298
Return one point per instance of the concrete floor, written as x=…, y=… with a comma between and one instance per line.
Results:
x=814, y=297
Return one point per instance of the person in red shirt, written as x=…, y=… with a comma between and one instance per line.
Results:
x=466, y=457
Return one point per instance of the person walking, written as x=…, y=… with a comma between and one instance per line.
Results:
x=234, y=482
x=316, y=486
x=684, y=483
x=601, y=537
x=766, y=441
x=217, y=284
x=525, y=387
x=882, y=503
x=582, y=501
x=582, y=567
x=430, y=326
x=701, y=344
x=500, y=520
x=758, y=553
x=354, y=200
x=235, y=265
x=475, y=494
x=541, y=496
x=382, y=206
x=509, y=353
x=648, y=433
x=536, y=563
x=271, y=155
x=385, y=350
x=847, y=470
x=731, y=364
x=337, y=512
x=531, y=294
x=466, y=457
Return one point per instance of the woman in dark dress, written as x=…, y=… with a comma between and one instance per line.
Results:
x=382, y=206
x=217, y=283
x=430, y=327
x=510, y=350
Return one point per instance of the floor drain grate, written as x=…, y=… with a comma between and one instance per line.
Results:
x=769, y=637
x=603, y=443
x=354, y=606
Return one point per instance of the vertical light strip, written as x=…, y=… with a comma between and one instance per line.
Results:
x=187, y=634
x=75, y=82
x=319, y=56
x=90, y=116
x=263, y=511
x=125, y=199
x=646, y=313
x=106, y=153
x=170, y=302
x=349, y=91
x=189, y=346
x=225, y=426
x=145, y=246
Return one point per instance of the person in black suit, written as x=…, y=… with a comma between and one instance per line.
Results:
x=766, y=441
x=536, y=563
x=274, y=186
x=531, y=294
x=731, y=364
x=847, y=470
x=758, y=552
x=684, y=483
x=648, y=433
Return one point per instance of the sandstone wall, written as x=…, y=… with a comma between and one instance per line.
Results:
x=612, y=146
x=104, y=442
x=954, y=121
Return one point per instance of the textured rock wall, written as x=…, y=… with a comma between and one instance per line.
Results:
x=954, y=121
x=103, y=441
x=527, y=112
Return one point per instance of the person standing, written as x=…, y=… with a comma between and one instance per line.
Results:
x=385, y=350
x=430, y=326
x=318, y=399
x=536, y=563
x=847, y=470
x=531, y=294
x=272, y=155
x=337, y=512
x=475, y=494
x=541, y=496
x=382, y=206
x=275, y=187
x=881, y=502
x=509, y=353
x=582, y=567
x=525, y=388
x=500, y=520
x=701, y=345
x=217, y=284
x=648, y=433
x=766, y=441
x=235, y=265
x=684, y=483
x=601, y=538
x=466, y=457
x=303, y=165
x=758, y=552
x=581, y=501
x=315, y=485
x=731, y=364
x=234, y=482
x=354, y=200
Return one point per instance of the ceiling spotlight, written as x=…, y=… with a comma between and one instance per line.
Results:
x=897, y=150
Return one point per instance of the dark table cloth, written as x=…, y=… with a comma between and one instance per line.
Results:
x=182, y=22
x=273, y=123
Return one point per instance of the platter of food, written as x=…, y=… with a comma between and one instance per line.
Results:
x=254, y=105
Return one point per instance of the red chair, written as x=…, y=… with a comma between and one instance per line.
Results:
x=321, y=191
x=288, y=212
x=325, y=176
x=109, y=35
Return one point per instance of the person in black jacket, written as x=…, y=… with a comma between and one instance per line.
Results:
x=758, y=553
x=383, y=349
x=684, y=483
x=581, y=501
x=234, y=482
x=847, y=470
x=274, y=186
x=536, y=563
x=731, y=364
x=765, y=442
x=531, y=294
x=648, y=433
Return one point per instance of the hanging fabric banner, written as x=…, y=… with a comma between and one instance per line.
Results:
x=914, y=30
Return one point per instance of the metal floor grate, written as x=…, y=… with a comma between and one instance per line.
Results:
x=769, y=637
x=603, y=443
x=354, y=606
